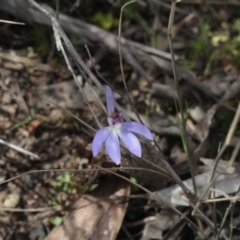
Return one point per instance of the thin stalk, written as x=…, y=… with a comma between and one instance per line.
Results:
x=164, y=162
x=179, y=96
x=228, y=139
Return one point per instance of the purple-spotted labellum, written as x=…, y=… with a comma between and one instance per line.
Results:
x=118, y=128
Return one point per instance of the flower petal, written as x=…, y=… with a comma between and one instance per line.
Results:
x=110, y=121
x=110, y=100
x=131, y=142
x=137, y=128
x=99, y=138
x=112, y=147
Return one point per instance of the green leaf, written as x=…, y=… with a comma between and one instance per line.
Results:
x=105, y=20
x=56, y=221
x=67, y=178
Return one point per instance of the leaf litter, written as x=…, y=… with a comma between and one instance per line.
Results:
x=37, y=126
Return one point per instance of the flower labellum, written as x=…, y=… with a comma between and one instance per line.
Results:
x=118, y=128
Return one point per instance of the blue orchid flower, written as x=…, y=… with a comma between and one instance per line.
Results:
x=118, y=128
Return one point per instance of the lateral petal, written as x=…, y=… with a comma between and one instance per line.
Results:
x=112, y=147
x=99, y=138
x=137, y=128
x=131, y=142
x=110, y=100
